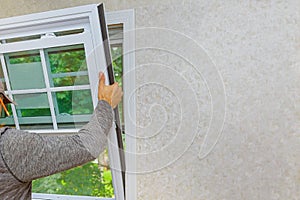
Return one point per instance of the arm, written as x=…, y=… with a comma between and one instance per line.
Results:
x=29, y=155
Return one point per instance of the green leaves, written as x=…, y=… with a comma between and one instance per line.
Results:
x=117, y=61
x=84, y=180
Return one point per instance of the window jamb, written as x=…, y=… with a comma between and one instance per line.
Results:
x=127, y=18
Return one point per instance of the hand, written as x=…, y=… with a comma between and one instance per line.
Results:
x=112, y=94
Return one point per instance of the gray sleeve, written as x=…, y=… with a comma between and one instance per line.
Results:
x=29, y=155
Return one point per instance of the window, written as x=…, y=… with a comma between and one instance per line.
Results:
x=49, y=64
x=51, y=87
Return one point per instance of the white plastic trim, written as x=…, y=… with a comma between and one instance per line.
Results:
x=47, y=83
x=44, y=43
x=127, y=18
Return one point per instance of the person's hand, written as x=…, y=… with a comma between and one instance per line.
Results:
x=112, y=94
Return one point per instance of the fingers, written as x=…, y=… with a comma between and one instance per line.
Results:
x=101, y=81
x=110, y=93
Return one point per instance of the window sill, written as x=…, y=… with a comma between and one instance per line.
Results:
x=39, y=196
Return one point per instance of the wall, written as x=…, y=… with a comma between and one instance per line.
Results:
x=217, y=96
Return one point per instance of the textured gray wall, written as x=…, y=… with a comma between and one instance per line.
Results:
x=210, y=72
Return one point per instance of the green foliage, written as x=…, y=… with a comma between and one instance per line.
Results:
x=28, y=58
x=36, y=112
x=117, y=61
x=65, y=61
x=84, y=180
x=81, y=102
x=73, y=60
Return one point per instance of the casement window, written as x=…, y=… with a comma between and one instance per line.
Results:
x=49, y=66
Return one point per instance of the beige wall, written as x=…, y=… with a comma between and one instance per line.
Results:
x=202, y=60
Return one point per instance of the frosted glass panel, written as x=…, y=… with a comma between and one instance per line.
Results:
x=33, y=111
x=25, y=70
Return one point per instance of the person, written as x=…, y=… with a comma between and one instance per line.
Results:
x=27, y=156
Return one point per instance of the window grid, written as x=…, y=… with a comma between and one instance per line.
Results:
x=47, y=83
x=48, y=88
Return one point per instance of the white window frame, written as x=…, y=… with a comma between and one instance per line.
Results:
x=127, y=18
x=81, y=17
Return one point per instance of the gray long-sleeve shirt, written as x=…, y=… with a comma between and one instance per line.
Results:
x=27, y=156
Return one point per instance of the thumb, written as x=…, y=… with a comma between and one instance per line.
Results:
x=101, y=80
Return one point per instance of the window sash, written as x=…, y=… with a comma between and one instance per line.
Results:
x=87, y=17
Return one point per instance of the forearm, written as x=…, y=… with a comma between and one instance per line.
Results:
x=95, y=132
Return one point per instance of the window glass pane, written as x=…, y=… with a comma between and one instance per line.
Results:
x=73, y=108
x=67, y=66
x=33, y=111
x=25, y=70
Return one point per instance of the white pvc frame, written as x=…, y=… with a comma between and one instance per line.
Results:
x=83, y=17
x=126, y=17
